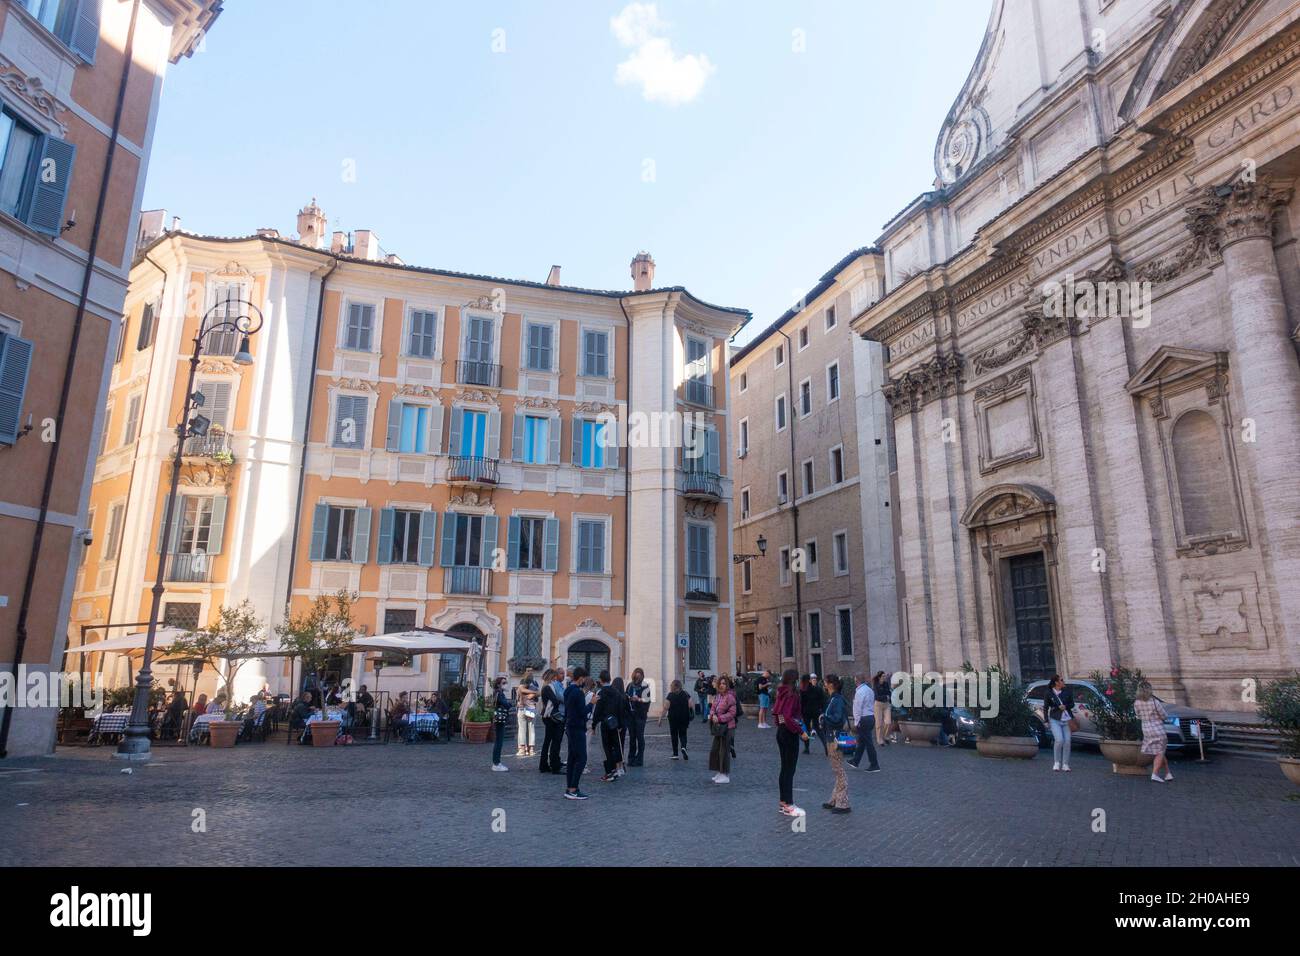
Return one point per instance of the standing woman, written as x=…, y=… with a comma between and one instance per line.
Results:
x=832, y=722
x=884, y=708
x=1060, y=715
x=500, y=716
x=551, y=714
x=1153, y=716
x=677, y=708
x=789, y=731
x=526, y=700
x=722, y=724
x=639, y=698
x=764, y=699
x=606, y=716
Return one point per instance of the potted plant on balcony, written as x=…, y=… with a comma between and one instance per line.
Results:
x=1009, y=731
x=1279, y=707
x=232, y=639
x=323, y=631
x=1117, y=723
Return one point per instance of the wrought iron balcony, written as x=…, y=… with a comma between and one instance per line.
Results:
x=473, y=581
x=486, y=374
x=189, y=567
x=696, y=392
x=466, y=470
x=701, y=588
x=215, y=444
x=702, y=485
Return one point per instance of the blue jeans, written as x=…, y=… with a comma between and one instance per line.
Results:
x=866, y=734
x=500, y=733
x=1060, y=741
x=704, y=706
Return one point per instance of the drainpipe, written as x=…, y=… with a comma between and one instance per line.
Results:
x=794, y=498
x=47, y=491
x=627, y=460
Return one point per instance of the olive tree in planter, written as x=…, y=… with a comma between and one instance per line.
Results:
x=1009, y=732
x=1279, y=707
x=1117, y=722
x=233, y=638
x=322, y=631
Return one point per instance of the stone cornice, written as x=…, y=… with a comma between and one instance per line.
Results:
x=937, y=378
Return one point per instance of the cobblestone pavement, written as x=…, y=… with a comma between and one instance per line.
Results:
x=269, y=804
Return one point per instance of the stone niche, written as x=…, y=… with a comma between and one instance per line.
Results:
x=1007, y=420
x=1223, y=612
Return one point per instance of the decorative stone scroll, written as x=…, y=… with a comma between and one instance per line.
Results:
x=939, y=377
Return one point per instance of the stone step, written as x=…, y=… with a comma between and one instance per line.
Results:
x=1243, y=739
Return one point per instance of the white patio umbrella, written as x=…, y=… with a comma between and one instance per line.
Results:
x=415, y=642
x=163, y=638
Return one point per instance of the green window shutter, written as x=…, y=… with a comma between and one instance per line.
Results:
x=556, y=425
x=428, y=528
x=393, y=439
x=15, y=362
x=712, y=452
x=435, y=430
x=492, y=447
x=361, y=537
x=217, y=529
x=453, y=444
x=512, y=544
x=384, y=555
x=83, y=29
x=49, y=189
x=551, y=548
x=517, y=438
x=319, y=523
x=489, y=541
x=448, y=540
x=575, y=444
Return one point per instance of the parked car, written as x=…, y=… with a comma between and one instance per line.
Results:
x=960, y=724
x=1180, y=727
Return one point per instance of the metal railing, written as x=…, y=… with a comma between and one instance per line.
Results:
x=478, y=373
x=701, y=484
x=464, y=468
x=476, y=581
x=701, y=588
x=189, y=567
x=215, y=443
x=697, y=392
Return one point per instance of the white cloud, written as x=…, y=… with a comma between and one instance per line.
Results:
x=662, y=75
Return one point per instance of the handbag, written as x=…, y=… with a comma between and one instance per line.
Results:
x=718, y=728
x=1073, y=724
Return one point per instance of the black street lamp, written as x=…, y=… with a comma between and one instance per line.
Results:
x=742, y=558
x=135, y=743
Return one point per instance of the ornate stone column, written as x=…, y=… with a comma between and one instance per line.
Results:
x=1265, y=366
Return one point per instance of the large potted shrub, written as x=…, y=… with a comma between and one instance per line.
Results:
x=1117, y=723
x=923, y=711
x=323, y=631
x=478, y=723
x=1279, y=707
x=1009, y=731
x=232, y=639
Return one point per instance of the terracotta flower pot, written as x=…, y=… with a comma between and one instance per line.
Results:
x=1126, y=757
x=323, y=732
x=1023, y=748
x=1291, y=767
x=476, y=731
x=919, y=733
x=222, y=733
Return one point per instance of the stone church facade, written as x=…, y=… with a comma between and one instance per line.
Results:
x=1091, y=328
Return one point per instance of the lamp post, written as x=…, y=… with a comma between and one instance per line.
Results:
x=135, y=743
x=742, y=558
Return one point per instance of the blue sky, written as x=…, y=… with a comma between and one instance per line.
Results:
x=502, y=137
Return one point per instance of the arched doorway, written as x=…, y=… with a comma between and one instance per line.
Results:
x=450, y=665
x=592, y=656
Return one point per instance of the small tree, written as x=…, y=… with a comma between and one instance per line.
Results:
x=234, y=638
x=1279, y=706
x=323, y=631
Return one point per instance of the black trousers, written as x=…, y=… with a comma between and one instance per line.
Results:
x=788, y=744
x=810, y=721
x=636, y=739
x=550, y=762
x=866, y=731
x=677, y=731
x=577, y=758
x=613, y=751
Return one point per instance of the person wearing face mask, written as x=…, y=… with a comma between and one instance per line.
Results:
x=640, y=695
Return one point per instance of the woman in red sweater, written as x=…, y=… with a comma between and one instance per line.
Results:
x=789, y=731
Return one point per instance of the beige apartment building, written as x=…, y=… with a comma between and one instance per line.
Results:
x=80, y=86
x=456, y=449
x=814, y=530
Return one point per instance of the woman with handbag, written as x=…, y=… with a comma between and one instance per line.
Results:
x=526, y=698
x=552, y=718
x=1060, y=717
x=500, y=717
x=722, y=724
x=832, y=722
x=606, y=715
x=789, y=731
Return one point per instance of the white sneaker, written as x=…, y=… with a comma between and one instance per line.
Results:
x=1156, y=778
x=793, y=811
x=715, y=777
x=722, y=778
x=500, y=767
x=1168, y=776
x=1065, y=767
x=1056, y=766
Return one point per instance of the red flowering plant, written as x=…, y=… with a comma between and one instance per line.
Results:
x=1116, y=719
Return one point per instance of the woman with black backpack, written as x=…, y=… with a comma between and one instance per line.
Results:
x=552, y=718
x=606, y=714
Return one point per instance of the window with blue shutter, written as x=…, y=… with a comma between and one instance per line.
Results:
x=361, y=536
x=358, y=332
x=423, y=333
x=15, y=362
x=551, y=545
x=319, y=523
x=428, y=541
x=538, y=358
x=49, y=187
x=591, y=547
x=595, y=354
x=488, y=551
x=384, y=553
x=350, y=421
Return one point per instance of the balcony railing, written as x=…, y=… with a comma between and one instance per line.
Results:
x=701, y=588
x=486, y=374
x=697, y=392
x=215, y=444
x=189, y=567
x=702, y=485
x=473, y=471
x=474, y=581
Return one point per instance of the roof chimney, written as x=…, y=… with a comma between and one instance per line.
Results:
x=339, y=242
x=268, y=233
x=554, y=277
x=365, y=244
x=311, y=225
x=643, y=272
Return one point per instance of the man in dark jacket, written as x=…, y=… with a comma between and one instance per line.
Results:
x=812, y=701
x=575, y=728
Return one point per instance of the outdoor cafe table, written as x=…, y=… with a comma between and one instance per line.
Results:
x=114, y=723
x=424, y=723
